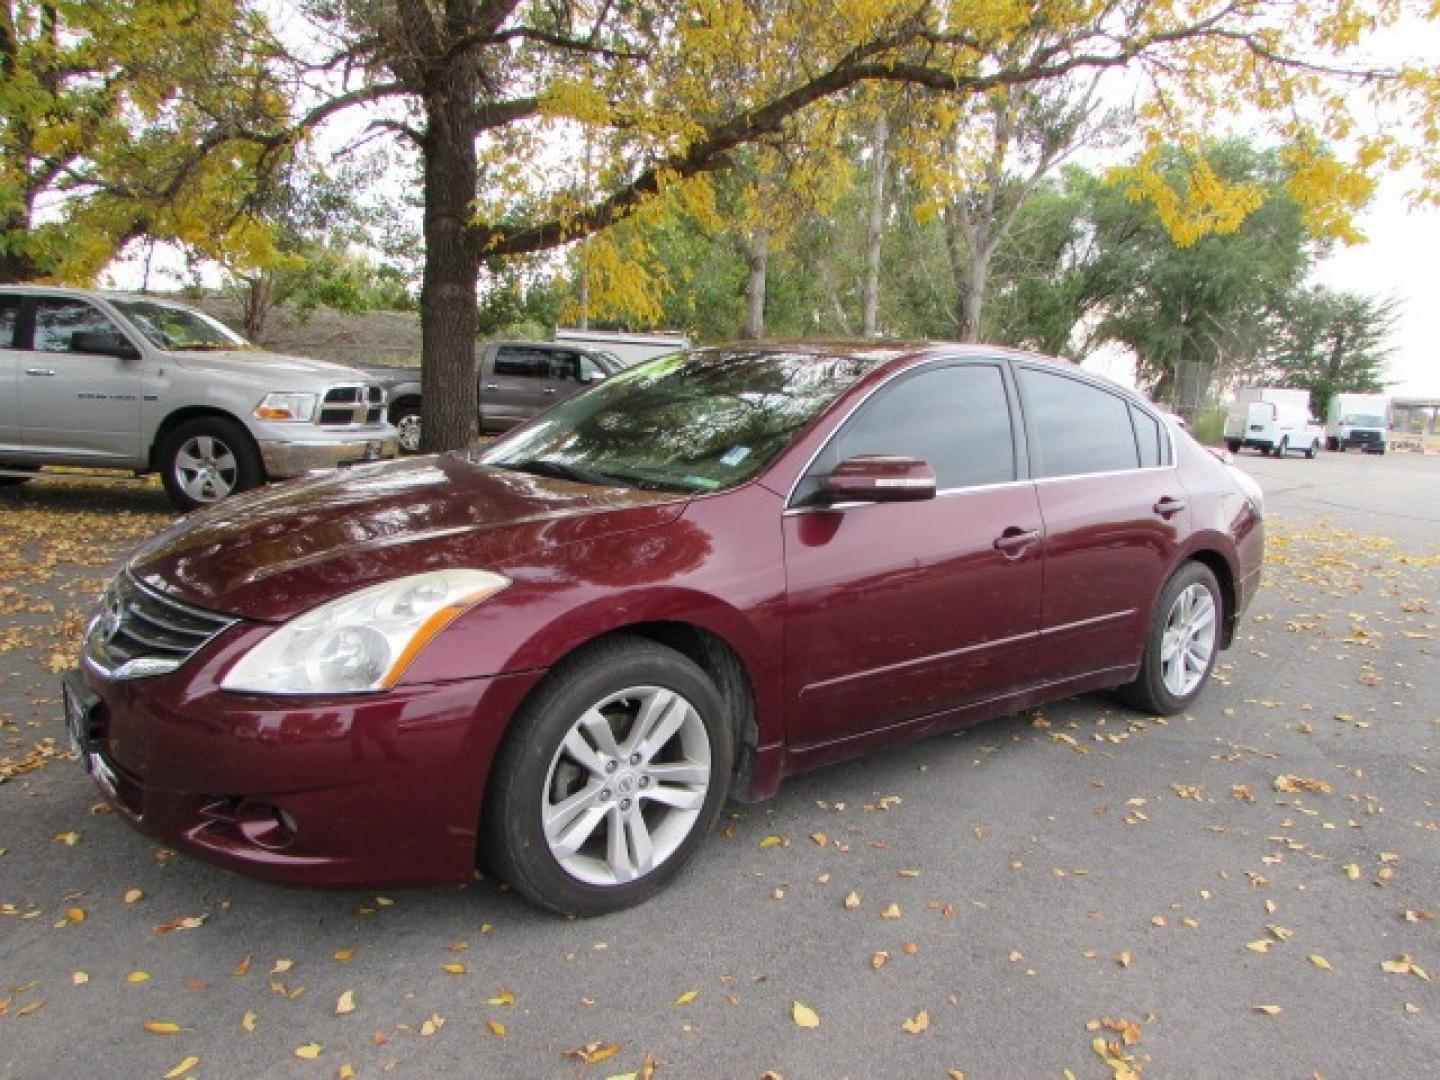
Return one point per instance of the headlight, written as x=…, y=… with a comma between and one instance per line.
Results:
x=286, y=407
x=363, y=641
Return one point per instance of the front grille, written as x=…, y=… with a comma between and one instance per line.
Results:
x=353, y=405
x=136, y=623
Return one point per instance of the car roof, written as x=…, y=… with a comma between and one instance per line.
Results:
x=94, y=294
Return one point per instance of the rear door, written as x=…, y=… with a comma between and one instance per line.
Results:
x=1114, y=513
x=78, y=404
x=513, y=385
x=901, y=610
x=10, y=360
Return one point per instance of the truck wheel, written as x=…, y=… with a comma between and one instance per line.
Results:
x=406, y=418
x=1314, y=449
x=204, y=460
x=1330, y=443
x=1284, y=446
x=1233, y=445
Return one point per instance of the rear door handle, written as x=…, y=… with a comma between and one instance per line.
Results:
x=550, y=390
x=1014, y=540
x=1168, y=506
x=39, y=371
x=492, y=386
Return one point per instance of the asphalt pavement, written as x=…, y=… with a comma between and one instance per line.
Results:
x=1250, y=890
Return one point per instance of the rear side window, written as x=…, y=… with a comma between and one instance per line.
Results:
x=56, y=321
x=1147, y=438
x=1078, y=428
x=523, y=363
x=9, y=320
x=957, y=418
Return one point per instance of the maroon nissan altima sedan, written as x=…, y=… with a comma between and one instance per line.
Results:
x=562, y=652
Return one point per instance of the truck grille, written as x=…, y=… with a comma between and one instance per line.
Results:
x=139, y=632
x=353, y=406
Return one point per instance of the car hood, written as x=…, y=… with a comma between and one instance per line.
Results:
x=280, y=551
x=275, y=370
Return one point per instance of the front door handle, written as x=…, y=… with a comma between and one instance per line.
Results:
x=492, y=386
x=39, y=371
x=1167, y=506
x=1014, y=540
x=550, y=390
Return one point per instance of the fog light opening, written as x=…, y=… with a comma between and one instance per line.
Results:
x=265, y=825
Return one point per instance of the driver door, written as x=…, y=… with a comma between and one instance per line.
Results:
x=77, y=404
x=901, y=610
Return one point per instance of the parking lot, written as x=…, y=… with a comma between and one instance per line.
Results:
x=1252, y=889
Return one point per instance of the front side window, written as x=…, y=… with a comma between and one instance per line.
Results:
x=57, y=321
x=689, y=422
x=178, y=329
x=956, y=418
x=1078, y=428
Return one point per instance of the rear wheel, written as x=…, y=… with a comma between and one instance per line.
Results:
x=1183, y=643
x=1314, y=449
x=610, y=777
x=1283, y=447
x=204, y=460
x=1233, y=445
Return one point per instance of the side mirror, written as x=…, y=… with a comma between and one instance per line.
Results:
x=103, y=343
x=881, y=478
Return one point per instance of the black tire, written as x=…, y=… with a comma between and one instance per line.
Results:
x=238, y=468
x=1148, y=693
x=406, y=417
x=1331, y=443
x=1283, y=447
x=514, y=841
x=13, y=481
x=1233, y=445
x=1314, y=449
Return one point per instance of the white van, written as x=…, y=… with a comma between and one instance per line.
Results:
x=1273, y=421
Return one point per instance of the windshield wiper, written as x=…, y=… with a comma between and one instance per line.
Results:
x=561, y=471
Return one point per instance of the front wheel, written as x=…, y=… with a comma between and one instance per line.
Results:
x=406, y=419
x=204, y=460
x=1283, y=447
x=1314, y=449
x=611, y=775
x=1233, y=445
x=1183, y=643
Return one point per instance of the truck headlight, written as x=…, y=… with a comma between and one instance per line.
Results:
x=363, y=641
x=292, y=407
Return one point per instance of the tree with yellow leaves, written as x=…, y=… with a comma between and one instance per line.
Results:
x=489, y=92
x=129, y=118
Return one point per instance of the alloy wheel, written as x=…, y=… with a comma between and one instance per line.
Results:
x=626, y=785
x=1189, y=640
x=206, y=468
x=409, y=428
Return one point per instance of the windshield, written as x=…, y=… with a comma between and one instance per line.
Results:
x=699, y=421
x=178, y=329
x=1357, y=420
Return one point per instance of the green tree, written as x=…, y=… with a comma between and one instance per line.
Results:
x=129, y=118
x=1331, y=342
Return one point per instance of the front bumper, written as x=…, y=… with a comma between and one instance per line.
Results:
x=380, y=789
x=319, y=452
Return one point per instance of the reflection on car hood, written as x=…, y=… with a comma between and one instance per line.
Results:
x=276, y=552
x=272, y=369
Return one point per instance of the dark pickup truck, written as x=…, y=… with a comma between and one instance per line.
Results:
x=517, y=380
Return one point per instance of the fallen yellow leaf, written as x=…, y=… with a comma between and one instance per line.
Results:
x=891, y=912
x=852, y=900
x=345, y=1003
x=504, y=997
x=1320, y=962
x=453, y=969
x=282, y=966
x=879, y=959
x=1269, y=1010
x=344, y=956
x=74, y=914
x=347, y=1072
x=593, y=1053
x=687, y=997
x=310, y=1051
x=182, y=1068
x=79, y=979
x=917, y=1025
x=162, y=1027
x=496, y=1028
x=133, y=895
x=249, y=1021
x=804, y=1016
x=772, y=841
x=69, y=839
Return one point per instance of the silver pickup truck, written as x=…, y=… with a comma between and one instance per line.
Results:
x=517, y=379
x=108, y=380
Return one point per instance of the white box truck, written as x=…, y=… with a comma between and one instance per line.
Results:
x=1273, y=421
x=1357, y=421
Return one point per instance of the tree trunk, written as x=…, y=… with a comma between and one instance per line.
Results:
x=870, y=291
x=259, y=291
x=757, y=258
x=972, y=300
x=449, y=309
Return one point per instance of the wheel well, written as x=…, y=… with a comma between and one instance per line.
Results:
x=1221, y=569
x=714, y=656
x=180, y=416
x=406, y=399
